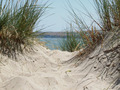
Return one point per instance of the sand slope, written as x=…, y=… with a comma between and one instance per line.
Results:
x=45, y=70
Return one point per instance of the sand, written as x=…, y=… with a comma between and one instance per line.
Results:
x=46, y=69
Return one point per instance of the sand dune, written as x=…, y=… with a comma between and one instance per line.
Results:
x=44, y=69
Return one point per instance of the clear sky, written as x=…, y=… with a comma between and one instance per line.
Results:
x=57, y=21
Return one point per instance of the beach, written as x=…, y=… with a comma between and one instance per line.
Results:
x=45, y=69
x=74, y=50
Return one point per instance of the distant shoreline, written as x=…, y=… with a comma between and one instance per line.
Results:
x=56, y=34
x=50, y=36
x=53, y=35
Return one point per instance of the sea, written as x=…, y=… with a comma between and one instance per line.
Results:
x=52, y=43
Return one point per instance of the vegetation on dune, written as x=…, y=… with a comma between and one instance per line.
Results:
x=17, y=22
x=109, y=18
x=71, y=42
x=90, y=37
x=108, y=57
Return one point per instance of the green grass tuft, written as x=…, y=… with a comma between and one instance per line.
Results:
x=17, y=22
x=71, y=42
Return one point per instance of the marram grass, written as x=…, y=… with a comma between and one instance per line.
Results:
x=71, y=42
x=109, y=13
x=17, y=22
x=109, y=19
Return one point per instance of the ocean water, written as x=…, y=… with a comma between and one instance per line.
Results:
x=52, y=43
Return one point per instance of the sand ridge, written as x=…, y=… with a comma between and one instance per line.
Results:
x=44, y=70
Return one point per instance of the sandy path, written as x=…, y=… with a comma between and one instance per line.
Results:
x=43, y=70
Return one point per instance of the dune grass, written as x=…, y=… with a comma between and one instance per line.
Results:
x=87, y=37
x=71, y=42
x=17, y=22
x=109, y=18
x=109, y=13
x=102, y=7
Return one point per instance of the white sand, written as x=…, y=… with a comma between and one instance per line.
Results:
x=44, y=70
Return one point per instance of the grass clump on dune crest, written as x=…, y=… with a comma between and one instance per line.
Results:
x=109, y=18
x=17, y=22
x=90, y=37
x=109, y=13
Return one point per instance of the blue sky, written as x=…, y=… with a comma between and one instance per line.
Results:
x=57, y=21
